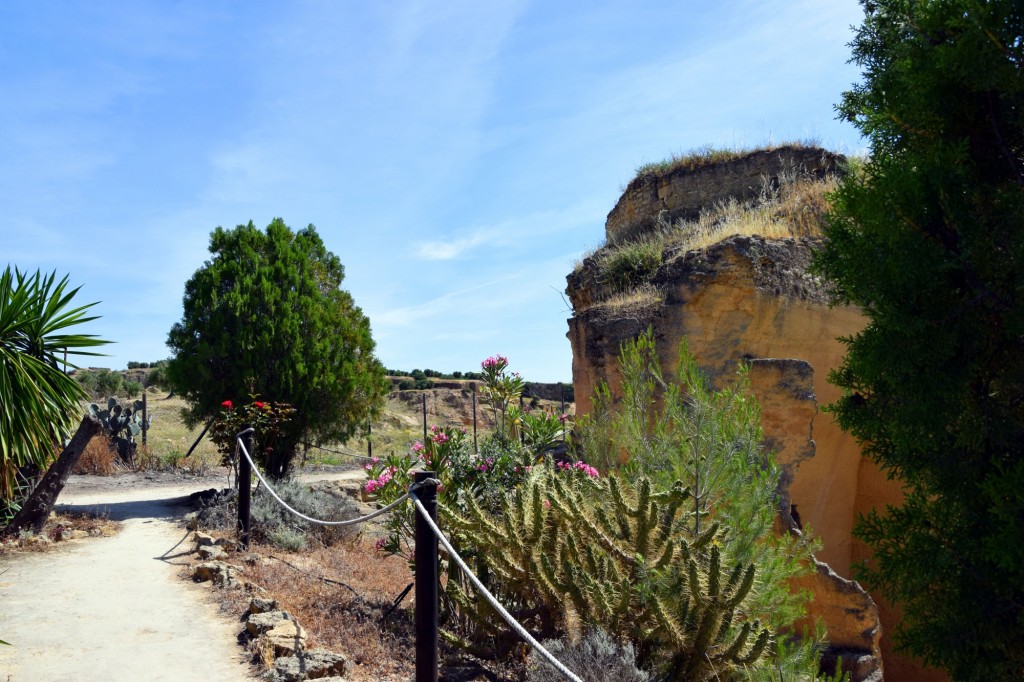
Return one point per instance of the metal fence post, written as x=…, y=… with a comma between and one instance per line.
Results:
x=561, y=396
x=145, y=421
x=424, y=418
x=426, y=583
x=245, y=488
x=476, y=450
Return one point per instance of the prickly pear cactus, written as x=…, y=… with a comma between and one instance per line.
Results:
x=121, y=425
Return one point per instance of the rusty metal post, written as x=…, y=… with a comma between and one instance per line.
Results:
x=424, y=417
x=427, y=638
x=476, y=450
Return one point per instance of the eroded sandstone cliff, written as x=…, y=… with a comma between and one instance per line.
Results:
x=746, y=298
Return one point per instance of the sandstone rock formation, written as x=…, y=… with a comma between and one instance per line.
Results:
x=695, y=186
x=752, y=299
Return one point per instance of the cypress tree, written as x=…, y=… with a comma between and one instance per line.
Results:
x=928, y=239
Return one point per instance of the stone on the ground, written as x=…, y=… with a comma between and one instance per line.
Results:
x=316, y=664
x=262, y=605
x=285, y=639
x=211, y=552
x=220, y=573
x=203, y=539
x=228, y=544
x=258, y=623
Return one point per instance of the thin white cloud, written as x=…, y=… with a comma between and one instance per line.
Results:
x=462, y=301
x=452, y=249
x=521, y=229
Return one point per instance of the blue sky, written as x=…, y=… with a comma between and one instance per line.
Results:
x=457, y=156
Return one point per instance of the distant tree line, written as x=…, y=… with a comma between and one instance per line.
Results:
x=133, y=364
x=422, y=379
x=421, y=374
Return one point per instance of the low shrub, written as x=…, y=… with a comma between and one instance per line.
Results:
x=287, y=539
x=631, y=264
x=275, y=525
x=98, y=459
x=596, y=657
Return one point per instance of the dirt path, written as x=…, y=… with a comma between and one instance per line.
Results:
x=115, y=609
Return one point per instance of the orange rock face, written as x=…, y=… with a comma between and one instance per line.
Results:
x=749, y=299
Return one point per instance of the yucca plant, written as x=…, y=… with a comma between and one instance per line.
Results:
x=39, y=402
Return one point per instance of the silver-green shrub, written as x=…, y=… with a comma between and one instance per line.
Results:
x=596, y=657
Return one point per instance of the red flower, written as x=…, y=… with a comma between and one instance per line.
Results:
x=259, y=405
x=226, y=405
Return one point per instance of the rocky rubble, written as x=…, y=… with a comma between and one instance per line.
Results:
x=276, y=637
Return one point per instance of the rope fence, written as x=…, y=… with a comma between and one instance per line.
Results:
x=321, y=522
x=426, y=560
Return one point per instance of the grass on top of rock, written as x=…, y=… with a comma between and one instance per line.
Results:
x=795, y=209
x=709, y=154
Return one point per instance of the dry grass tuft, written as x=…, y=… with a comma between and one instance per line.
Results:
x=98, y=458
x=709, y=154
x=796, y=208
x=634, y=302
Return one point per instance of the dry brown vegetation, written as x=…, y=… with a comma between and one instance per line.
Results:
x=98, y=459
x=795, y=209
x=708, y=154
x=340, y=618
x=60, y=528
x=340, y=595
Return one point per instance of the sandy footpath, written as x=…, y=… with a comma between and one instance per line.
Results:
x=115, y=609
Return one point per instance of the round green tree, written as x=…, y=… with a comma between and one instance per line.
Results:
x=266, y=316
x=929, y=241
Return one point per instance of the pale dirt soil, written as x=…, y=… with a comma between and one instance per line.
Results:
x=115, y=609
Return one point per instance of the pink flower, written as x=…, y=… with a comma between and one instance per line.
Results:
x=380, y=544
x=563, y=418
x=547, y=504
x=417, y=446
x=258, y=405
x=440, y=438
x=481, y=467
x=580, y=466
x=227, y=405
x=495, y=363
